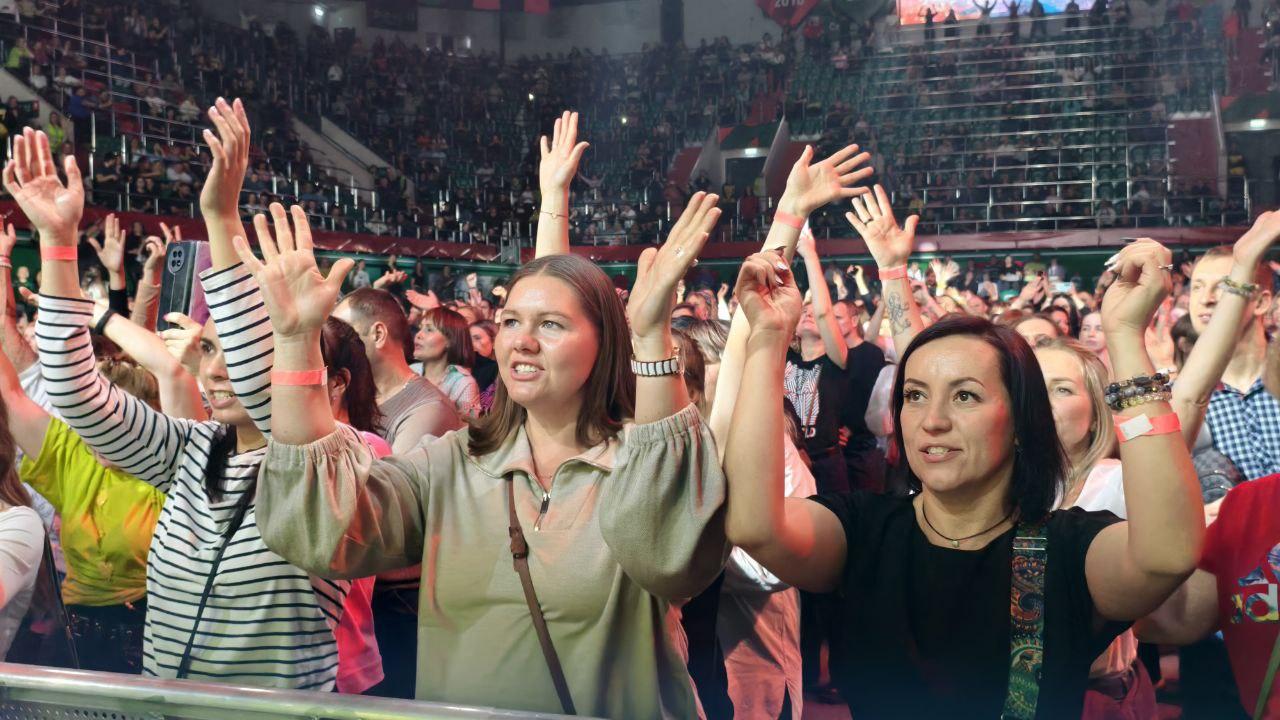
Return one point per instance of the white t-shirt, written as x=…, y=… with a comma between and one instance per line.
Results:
x=21, y=547
x=1104, y=490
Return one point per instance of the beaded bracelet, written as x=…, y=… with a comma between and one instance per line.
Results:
x=1116, y=400
x=1159, y=378
x=1244, y=290
x=1135, y=401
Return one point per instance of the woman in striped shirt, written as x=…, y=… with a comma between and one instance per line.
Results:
x=221, y=606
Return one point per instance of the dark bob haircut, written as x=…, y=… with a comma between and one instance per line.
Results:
x=1040, y=465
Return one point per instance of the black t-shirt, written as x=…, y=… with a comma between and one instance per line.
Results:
x=485, y=372
x=862, y=367
x=816, y=388
x=923, y=631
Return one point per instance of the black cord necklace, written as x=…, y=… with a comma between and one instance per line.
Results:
x=955, y=542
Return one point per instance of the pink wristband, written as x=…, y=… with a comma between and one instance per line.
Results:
x=1135, y=427
x=300, y=377
x=893, y=273
x=788, y=219
x=58, y=252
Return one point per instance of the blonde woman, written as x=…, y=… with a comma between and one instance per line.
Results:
x=1076, y=379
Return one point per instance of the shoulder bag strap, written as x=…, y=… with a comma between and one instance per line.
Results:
x=1026, y=622
x=520, y=558
x=242, y=509
x=1264, y=694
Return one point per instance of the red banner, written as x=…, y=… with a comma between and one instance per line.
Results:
x=787, y=13
x=537, y=7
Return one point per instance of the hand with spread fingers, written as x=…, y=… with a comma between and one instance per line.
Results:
x=298, y=298
x=768, y=295
x=560, y=156
x=660, y=270
x=31, y=177
x=111, y=250
x=890, y=244
x=1142, y=281
x=812, y=185
x=230, y=149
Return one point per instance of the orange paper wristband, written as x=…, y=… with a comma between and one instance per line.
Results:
x=893, y=273
x=299, y=377
x=788, y=219
x=58, y=252
x=1139, y=425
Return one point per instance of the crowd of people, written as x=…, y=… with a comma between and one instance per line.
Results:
x=663, y=498
x=452, y=174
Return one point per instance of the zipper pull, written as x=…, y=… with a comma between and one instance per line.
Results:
x=542, y=511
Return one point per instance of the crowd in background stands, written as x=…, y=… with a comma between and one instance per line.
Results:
x=443, y=119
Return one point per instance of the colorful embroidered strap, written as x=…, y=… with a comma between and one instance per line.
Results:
x=1026, y=621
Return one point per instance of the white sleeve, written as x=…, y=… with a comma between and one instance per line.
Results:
x=21, y=547
x=742, y=573
x=33, y=386
x=879, y=415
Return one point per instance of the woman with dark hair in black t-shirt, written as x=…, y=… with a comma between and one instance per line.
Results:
x=969, y=598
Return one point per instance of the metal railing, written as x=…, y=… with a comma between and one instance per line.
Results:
x=30, y=691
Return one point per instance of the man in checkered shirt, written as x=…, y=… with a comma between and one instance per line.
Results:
x=1243, y=418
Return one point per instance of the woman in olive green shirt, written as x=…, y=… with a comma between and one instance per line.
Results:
x=620, y=518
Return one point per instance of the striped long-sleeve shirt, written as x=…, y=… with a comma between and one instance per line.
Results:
x=245, y=331
x=266, y=622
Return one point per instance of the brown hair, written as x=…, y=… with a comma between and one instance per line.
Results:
x=456, y=331
x=695, y=368
x=343, y=352
x=11, y=489
x=370, y=305
x=609, y=397
x=131, y=378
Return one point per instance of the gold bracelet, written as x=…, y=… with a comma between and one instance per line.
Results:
x=553, y=214
x=1135, y=401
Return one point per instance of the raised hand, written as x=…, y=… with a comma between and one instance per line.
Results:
x=157, y=249
x=422, y=301
x=1142, y=281
x=560, y=157
x=890, y=244
x=767, y=293
x=171, y=234
x=182, y=338
x=31, y=177
x=1254, y=244
x=660, y=270
x=111, y=250
x=812, y=185
x=943, y=272
x=391, y=277
x=806, y=245
x=230, y=149
x=8, y=239
x=298, y=298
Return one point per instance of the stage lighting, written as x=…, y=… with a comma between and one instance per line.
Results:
x=318, y=10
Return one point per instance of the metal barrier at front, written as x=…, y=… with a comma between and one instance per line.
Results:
x=29, y=692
